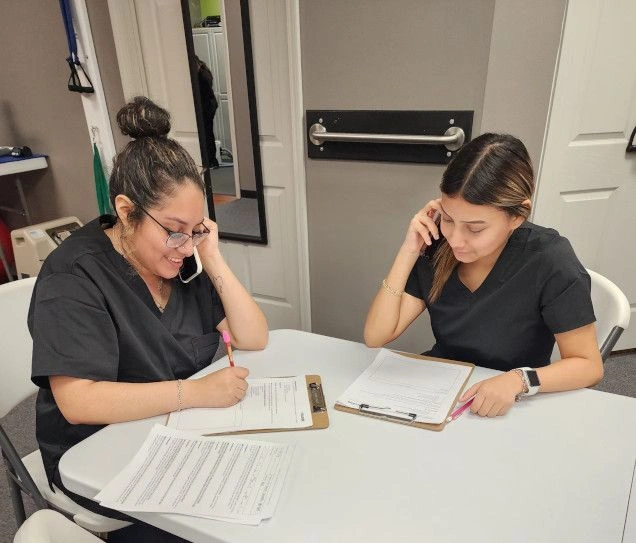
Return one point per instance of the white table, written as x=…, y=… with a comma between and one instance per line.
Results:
x=557, y=468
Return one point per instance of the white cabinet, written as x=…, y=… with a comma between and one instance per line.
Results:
x=210, y=45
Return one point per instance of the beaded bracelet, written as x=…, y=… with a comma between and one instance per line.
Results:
x=179, y=394
x=391, y=290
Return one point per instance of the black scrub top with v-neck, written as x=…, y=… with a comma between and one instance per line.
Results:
x=92, y=317
x=536, y=289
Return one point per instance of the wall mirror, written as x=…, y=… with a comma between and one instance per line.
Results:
x=219, y=46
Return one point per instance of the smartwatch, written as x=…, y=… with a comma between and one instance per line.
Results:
x=532, y=381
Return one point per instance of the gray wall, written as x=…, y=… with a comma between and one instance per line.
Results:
x=523, y=52
x=37, y=110
x=406, y=54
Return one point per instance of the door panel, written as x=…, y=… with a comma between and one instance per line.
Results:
x=587, y=187
x=275, y=269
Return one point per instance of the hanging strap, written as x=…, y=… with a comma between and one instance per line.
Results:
x=75, y=83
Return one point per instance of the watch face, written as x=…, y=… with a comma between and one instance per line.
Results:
x=533, y=378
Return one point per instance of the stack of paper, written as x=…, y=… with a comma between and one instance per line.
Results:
x=270, y=403
x=414, y=389
x=229, y=479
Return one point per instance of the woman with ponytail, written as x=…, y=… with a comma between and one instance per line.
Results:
x=499, y=290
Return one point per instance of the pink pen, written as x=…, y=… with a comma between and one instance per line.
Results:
x=457, y=413
x=227, y=339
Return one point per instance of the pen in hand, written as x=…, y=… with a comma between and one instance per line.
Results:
x=457, y=413
x=227, y=340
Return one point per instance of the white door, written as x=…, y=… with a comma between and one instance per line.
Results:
x=151, y=52
x=587, y=183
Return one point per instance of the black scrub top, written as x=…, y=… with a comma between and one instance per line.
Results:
x=92, y=317
x=536, y=289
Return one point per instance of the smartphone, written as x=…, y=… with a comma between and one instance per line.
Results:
x=191, y=267
x=429, y=250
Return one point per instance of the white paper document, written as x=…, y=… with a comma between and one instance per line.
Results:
x=407, y=388
x=222, y=478
x=270, y=403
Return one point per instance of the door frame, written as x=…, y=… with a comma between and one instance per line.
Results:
x=292, y=9
x=95, y=109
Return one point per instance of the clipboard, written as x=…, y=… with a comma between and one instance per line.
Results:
x=407, y=420
x=317, y=405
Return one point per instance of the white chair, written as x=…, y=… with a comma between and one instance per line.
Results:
x=612, y=311
x=47, y=526
x=27, y=475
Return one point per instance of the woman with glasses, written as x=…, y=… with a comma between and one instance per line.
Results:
x=117, y=327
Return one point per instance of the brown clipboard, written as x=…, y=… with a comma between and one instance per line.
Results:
x=317, y=405
x=398, y=420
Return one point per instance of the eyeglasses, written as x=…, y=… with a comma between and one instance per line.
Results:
x=177, y=239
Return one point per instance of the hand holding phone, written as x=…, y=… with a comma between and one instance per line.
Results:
x=429, y=250
x=423, y=229
x=191, y=267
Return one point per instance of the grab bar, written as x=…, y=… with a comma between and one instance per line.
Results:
x=452, y=139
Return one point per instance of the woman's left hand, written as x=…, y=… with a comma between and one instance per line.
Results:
x=494, y=396
x=210, y=245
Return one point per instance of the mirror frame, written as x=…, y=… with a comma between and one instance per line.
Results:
x=255, y=139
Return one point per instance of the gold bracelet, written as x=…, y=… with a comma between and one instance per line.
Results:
x=390, y=289
x=179, y=394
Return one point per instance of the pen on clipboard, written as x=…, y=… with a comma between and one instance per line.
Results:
x=228, y=345
x=457, y=413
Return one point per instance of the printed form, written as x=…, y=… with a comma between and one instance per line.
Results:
x=270, y=403
x=229, y=479
x=410, y=388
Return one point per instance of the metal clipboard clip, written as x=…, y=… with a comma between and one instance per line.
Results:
x=385, y=412
x=316, y=397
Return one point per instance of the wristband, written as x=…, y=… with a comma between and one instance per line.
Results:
x=530, y=380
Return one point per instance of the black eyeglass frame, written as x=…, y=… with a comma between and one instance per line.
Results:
x=196, y=238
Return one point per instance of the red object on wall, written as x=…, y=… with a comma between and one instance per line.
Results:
x=5, y=240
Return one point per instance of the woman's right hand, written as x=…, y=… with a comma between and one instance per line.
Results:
x=221, y=388
x=423, y=228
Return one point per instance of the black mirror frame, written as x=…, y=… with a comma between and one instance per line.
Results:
x=251, y=97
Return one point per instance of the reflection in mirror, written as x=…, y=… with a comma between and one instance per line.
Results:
x=219, y=47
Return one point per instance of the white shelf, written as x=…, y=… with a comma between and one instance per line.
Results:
x=26, y=165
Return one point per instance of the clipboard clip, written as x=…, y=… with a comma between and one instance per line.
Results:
x=316, y=397
x=386, y=412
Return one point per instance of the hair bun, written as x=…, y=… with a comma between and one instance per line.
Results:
x=143, y=118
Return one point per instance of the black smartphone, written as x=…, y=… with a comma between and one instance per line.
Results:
x=429, y=250
x=191, y=267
